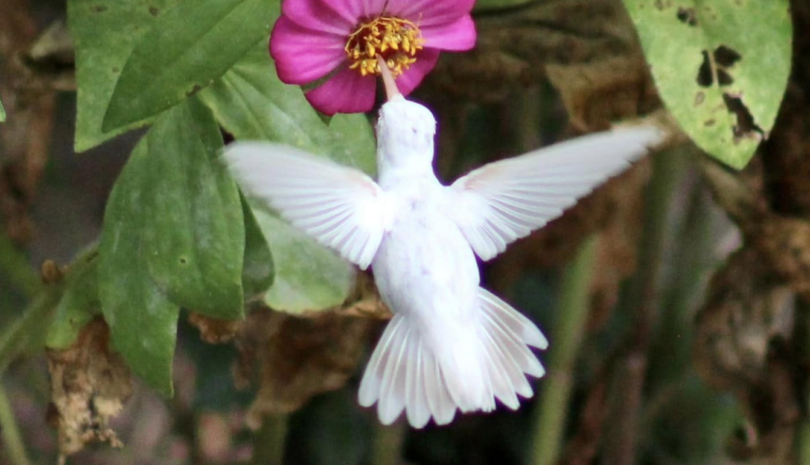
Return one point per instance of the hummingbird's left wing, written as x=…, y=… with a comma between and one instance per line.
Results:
x=340, y=207
x=508, y=199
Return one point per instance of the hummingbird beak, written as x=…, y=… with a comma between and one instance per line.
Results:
x=391, y=89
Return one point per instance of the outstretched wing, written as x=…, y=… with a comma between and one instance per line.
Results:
x=340, y=207
x=506, y=200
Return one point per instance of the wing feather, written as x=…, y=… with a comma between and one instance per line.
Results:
x=340, y=207
x=506, y=200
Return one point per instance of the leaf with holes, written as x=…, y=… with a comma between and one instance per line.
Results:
x=190, y=46
x=252, y=104
x=721, y=68
x=104, y=34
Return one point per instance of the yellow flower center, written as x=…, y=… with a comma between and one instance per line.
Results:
x=396, y=40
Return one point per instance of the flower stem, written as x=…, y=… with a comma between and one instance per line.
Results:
x=387, y=448
x=15, y=449
x=268, y=441
x=566, y=336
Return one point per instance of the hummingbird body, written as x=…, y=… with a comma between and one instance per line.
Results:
x=451, y=345
x=427, y=274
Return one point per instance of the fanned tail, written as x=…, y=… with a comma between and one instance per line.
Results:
x=406, y=373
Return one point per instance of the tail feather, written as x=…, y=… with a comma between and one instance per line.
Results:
x=405, y=373
x=392, y=395
x=511, y=343
x=508, y=317
x=441, y=405
x=500, y=373
x=370, y=386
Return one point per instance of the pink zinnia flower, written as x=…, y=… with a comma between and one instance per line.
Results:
x=342, y=38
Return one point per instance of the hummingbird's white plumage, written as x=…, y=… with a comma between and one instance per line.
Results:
x=451, y=345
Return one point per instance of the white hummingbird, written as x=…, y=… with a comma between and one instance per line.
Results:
x=451, y=344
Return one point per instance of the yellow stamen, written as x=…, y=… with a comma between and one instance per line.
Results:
x=396, y=40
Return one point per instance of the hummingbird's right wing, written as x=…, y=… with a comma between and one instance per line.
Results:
x=508, y=199
x=340, y=207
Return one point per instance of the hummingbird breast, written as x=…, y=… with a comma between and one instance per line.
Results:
x=426, y=270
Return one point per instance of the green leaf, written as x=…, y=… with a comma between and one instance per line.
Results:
x=251, y=103
x=173, y=236
x=142, y=320
x=258, y=270
x=79, y=303
x=720, y=66
x=308, y=277
x=193, y=230
x=190, y=46
x=2, y=113
x=104, y=34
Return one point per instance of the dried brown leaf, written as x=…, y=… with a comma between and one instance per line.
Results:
x=214, y=331
x=746, y=308
x=600, y=92
x=299, y=357
x=515, y=45
x=304, y=357
x=90, y=385
x=785, y=244
x=26, y=134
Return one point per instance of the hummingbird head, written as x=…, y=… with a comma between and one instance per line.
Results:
x=405, y=131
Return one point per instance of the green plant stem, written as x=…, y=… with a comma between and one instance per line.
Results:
x=566, y=336
x=268, y=441
x=629, y=379
x=801, y=335
x=15, y=267
x=30, y=328
x=802, y=441
x=15, y=450
x=387, y=449
x=690, y=259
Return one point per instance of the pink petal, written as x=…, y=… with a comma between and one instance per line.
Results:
x=319, y=15
x=430, y=12
x=411, y=78
x=457, y=36
x=346, y=92
x=304, y=55
x=356, y=10
x=372, y=8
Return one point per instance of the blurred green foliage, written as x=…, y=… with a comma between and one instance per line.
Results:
x=178, y=235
